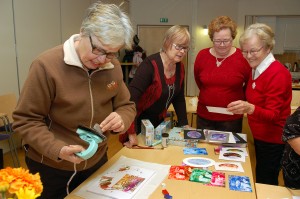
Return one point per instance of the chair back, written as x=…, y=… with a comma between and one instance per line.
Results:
x=8, y=104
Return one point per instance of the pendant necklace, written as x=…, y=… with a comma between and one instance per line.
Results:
x=171, y=89
x=218, y=63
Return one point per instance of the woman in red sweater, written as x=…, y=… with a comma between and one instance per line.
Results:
x=220, y=73
x=268, y=94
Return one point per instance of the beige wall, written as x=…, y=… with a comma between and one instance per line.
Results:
x=50, y=22
x=196, y=13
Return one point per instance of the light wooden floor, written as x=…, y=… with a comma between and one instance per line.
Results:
x=114, y=146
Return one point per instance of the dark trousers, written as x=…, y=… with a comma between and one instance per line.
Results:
x=268, y=157
x=232, y=126
x=1, y=159
x=55, y=180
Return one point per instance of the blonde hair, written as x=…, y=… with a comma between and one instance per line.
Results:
x=109, y=24
x=176, y=33
x=264, y=33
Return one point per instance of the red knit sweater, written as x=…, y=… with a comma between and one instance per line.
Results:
x=220, y=85
x=272, y=97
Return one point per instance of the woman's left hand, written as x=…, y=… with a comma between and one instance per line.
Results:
x=112, y=122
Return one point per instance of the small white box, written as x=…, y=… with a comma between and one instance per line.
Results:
x=147, y=129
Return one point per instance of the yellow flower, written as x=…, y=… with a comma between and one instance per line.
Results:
x=4, y=186
x=26, y=193
x=20, y=182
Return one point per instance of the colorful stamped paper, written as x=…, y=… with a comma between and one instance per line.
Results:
x=194, y=151
x=180, y=172
x=217, y=179
x=201, y=175
x=239, y=183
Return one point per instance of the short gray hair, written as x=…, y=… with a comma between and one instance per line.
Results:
x=109, y=24
x=264, y=33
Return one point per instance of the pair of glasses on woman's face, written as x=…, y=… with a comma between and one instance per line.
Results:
x=179, y=47
x=224, y=42
x=100, y=52
x=252, y=51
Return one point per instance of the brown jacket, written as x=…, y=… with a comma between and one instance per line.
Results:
x=57, y=97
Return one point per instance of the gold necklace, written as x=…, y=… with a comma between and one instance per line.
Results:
x=218, y=63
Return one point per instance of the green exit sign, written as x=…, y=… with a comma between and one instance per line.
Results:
x=163, y=20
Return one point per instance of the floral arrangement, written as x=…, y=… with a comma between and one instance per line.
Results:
x=19, y=183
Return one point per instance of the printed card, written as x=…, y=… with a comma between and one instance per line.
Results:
x=235, y=149
x=201, y=175
x=194, y=151
x=218, y=136
x=239, y=183
x=217, y=179
x=180, y=172
x=229, y=166
x=233, y=156
x=193, y=134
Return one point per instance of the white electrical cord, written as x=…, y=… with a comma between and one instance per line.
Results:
x=71, y=178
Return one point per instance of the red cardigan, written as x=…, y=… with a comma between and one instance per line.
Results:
x=271, y=95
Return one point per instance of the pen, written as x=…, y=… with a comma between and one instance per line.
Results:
x=156, y=143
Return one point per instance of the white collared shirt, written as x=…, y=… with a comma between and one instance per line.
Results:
x=263, y=66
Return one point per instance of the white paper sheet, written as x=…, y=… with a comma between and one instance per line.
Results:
x=161, y=171
x=220, y=110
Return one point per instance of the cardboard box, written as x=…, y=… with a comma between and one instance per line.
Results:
x=163, y=127
x=147, y=129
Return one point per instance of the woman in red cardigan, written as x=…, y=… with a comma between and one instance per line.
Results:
x=268, y=94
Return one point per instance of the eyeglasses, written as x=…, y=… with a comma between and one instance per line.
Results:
x=179, y=48
x=101, y=52
x=251, y=52
x=219, y=42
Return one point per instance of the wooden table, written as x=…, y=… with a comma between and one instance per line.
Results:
x=274, y=192
x=126, y=65
x=173, y=155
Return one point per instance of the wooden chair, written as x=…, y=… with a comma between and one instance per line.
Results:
x=7, y=105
